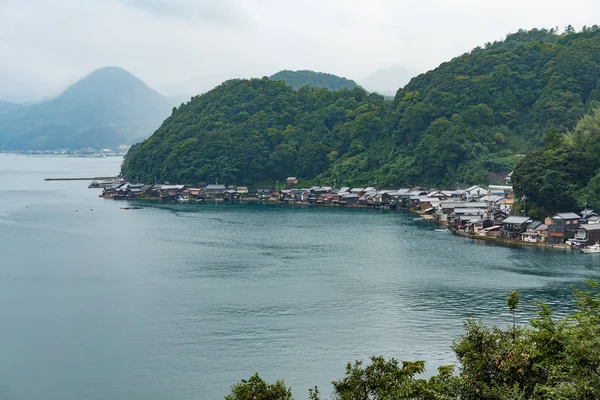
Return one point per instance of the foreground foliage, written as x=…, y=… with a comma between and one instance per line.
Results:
x=552, y=358
x=469, y=120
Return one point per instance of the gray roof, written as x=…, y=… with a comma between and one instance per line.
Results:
x=350, y=196
x=468, y=211
x=215, y=187
x=591, y=227
x=533, y=225
x=516, y=220
x=570, y=215
x=172, y=187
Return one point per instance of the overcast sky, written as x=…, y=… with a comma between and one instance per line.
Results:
x=174, y=45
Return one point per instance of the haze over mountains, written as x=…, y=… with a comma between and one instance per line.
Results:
x=108, y=107
x=387, y=81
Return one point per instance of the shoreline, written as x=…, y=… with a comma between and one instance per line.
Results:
x=417, y=214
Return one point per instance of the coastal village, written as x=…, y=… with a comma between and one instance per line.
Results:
x=477, y=212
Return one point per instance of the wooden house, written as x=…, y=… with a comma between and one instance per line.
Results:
x=291, y=182
x=562, y=226
x=170, y=192
x=215, y=191
x=514, y=226
x=587, y=234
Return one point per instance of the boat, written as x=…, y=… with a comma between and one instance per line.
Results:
x=591, y=249
x=131, y=208
x=441, y=230
x=418, y=219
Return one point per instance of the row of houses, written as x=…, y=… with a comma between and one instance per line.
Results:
x=479, y=211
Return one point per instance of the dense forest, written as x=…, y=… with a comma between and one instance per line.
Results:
x=298, y=79
x=551, y=358
x=106, y=108
x=565, y=173
x=470, y=120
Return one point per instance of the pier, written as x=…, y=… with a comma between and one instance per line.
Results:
x=97, y=178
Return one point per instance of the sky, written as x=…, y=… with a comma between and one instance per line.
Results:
x=185, y=46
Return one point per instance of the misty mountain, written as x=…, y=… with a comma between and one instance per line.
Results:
x=298, y=79
x=108, y=107
x=386, y=81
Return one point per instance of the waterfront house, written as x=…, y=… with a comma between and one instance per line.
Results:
x=464, y=216
x=531, y=234
x=476, y=226
x=562, y=227
x=264, y=192
x=243, y=190
x=514, y=226
x=111, y=190
x=349, y=198
x=197, y=193
x=215, y=191
x=170, y=192
x=587, y=234
x=343, y=190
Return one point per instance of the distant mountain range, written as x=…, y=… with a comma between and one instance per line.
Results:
x=108, y=107
x=387, y=81
x=297, y=79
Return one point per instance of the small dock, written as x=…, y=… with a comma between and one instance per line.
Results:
x=97, y=178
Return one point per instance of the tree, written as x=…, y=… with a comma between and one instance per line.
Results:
x=513, y=302
x=256, y=388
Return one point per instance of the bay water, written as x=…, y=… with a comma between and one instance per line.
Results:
x=178, y=301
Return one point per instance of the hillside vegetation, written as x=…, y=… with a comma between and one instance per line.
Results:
x=469, y=120
x=298, y=79
x=108, y=107
x=563, y=175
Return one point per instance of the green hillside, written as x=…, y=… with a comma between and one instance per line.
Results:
x=563, y=175
x=469, y=120
x=298, y=79
x=108, y=107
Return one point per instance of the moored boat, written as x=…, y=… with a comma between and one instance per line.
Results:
x=591, y=249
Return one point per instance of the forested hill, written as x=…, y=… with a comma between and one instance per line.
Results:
x=467, y=121
x=297, y=79
x=106, y=108
x=258, y=130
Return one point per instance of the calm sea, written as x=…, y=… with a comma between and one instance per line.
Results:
x=178, y=302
